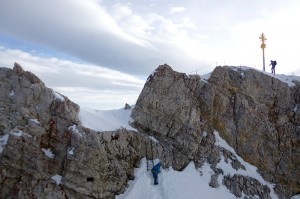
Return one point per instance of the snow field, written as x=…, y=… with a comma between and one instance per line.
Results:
x=105, y=120
x=189, y=183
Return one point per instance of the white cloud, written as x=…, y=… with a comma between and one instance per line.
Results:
x=130, y=22
x=134, y=38
x=174, y=10
x=81, y=28
x=120, y=11
x=111, y=36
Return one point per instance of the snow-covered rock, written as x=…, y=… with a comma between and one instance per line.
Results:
x=49, y=148
x=254, y=112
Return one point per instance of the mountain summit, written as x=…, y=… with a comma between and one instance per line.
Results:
x=254, y=112
x=238, y=128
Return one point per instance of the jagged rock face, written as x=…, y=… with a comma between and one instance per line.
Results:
x=251, y=110
x=168, y=109
x=46, y=153
x=42, y=138
x=176, y=110
x=238, y=184
x=256, y=114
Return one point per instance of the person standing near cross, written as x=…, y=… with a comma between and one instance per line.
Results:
x=273, y=63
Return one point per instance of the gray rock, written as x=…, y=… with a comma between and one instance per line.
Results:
x=250, y=110
x=253, y=112
x=127, y=107
x=36, y=119
x=250, y=187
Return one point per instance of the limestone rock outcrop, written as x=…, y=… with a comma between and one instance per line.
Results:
x=46, y=153
x=255, y=113
x=168, y=108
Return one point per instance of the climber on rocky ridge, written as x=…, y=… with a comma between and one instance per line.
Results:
x=155, y=171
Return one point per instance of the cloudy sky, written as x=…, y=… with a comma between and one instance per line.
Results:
x=100, y=52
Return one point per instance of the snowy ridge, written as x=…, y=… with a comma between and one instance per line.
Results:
x=105, y=120
x=289, y=79
x=58, y=96
x=250, y=171
x=190, y=183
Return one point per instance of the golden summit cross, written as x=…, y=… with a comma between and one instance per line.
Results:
x=263, y=39
x=263, y=46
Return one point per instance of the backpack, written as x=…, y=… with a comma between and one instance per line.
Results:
x=275, y=62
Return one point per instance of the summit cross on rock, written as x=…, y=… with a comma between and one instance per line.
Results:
x=263, y=46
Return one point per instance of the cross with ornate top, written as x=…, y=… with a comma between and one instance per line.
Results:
x=263, y=46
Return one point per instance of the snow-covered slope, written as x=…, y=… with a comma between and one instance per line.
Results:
x=105, y=120
x=289, y=79
x=190, y=183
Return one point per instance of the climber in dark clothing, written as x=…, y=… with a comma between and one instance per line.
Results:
x=155, y=171
x=273, y=63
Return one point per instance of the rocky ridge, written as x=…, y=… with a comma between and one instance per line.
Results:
x=47, y=153
x=255, y=113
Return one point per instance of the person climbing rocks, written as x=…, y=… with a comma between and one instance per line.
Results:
x=155, y=171
x=273, y=63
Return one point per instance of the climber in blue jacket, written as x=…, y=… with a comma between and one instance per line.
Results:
x=155, y=171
